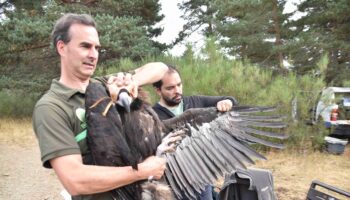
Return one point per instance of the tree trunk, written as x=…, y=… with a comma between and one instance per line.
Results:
x=277, y=29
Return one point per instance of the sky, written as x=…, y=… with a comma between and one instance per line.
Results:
x=172, y=24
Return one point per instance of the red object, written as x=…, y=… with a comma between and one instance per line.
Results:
x=334, y=114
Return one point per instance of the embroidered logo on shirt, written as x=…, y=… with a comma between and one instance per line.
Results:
x=80, y=113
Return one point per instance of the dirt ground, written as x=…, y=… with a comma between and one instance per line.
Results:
x=21, y=173
x=294, y=172
x=23, y=177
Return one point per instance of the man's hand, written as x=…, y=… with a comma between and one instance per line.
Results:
x=121, y=80
x=152, y=168
x=224, y=105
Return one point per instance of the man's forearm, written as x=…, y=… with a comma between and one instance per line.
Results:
x=107, y=178
x=150, y=73
x=81, y=179
x=146, y=74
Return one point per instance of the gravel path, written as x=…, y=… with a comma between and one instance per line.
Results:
x=23, y=177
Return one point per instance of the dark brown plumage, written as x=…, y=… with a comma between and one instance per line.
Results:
x=214, y=143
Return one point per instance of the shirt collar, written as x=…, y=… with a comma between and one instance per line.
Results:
x=63, y=90
x=178, y=110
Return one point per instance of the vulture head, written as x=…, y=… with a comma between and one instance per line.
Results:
x=124, y=99
x=212, y=144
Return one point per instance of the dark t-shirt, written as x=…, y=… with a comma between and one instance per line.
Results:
x=192, y=102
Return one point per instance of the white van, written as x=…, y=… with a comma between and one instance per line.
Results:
x=333, y=108
x=332, y=98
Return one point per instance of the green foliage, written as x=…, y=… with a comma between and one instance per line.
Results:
x=123, y=37
x=259, y=31
x=242, y=27
x=27, y=58
x=323, y=30
x=306, y=137
x=188, y=55
x=322, y=65
x=198, y=14
x=252, y=85
x=114, y=66
x=17, y=103
x=252, y=30
x=346, y=83
x=212, y=51
x=15, y=84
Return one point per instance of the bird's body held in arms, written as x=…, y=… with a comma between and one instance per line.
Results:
x=213, y=143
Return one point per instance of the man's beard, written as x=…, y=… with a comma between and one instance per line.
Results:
x=173, y=101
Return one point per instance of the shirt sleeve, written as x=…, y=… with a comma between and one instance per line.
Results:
x=207, y=101
x=54, y=133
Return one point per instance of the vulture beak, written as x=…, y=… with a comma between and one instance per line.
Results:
x=124, y=99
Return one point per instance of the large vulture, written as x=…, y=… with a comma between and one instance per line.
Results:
x=213, y=143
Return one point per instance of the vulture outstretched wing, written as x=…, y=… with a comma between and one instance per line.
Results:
x=214, y=143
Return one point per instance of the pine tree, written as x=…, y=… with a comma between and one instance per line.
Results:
x=199, y=15
x=324, y=30
x=247, y=29
x=253, y=30
x=125, y=28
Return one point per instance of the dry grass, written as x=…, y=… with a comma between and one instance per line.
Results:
x=292, y=171
x=16, y=131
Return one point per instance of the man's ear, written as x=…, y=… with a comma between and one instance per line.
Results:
x=60, y=47
x=157, y=91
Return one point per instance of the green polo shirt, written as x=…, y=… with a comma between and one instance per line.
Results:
x=60, y=126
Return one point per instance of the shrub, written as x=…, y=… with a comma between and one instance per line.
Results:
x=17, y=104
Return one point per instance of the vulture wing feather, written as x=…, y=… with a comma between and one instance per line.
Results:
x=231, y=132
x=215, y=142
x=186, y=169
x=202, y=165
x=213, y=169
